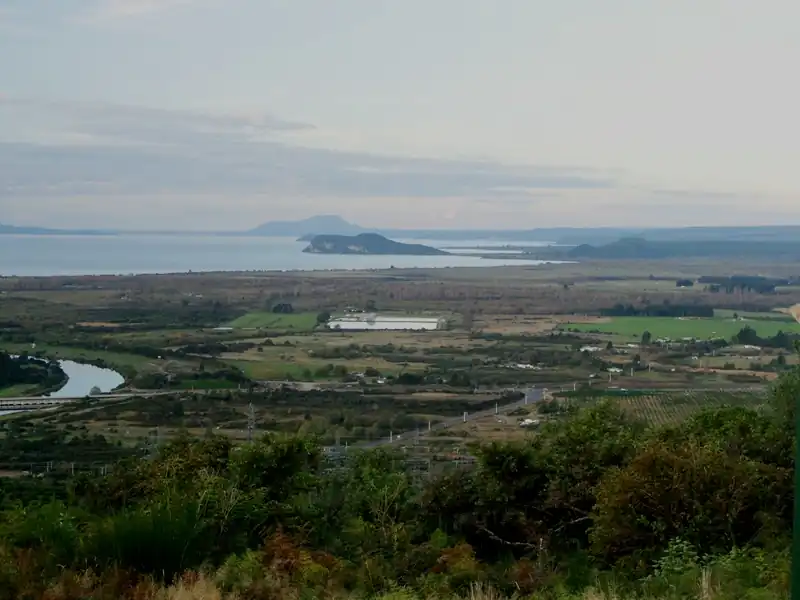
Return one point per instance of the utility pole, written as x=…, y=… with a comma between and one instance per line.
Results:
x=795, y=585
x=251, y=422
x=795, y=581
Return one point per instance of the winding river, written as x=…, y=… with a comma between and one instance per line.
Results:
x=81, y=379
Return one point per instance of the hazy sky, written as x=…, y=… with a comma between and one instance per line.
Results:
x=409, y=113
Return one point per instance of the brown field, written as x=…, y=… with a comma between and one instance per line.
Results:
x=521, y=290
x=795, y=312
x=767, y=375
x=525, y=324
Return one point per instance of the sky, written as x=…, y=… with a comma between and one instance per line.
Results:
x=222, y=114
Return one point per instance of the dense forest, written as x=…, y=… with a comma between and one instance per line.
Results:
x=662, y=310
x=748, y=335
x=27, y=370
x=593, y=500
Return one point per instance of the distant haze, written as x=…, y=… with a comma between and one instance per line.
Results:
x=223, y=114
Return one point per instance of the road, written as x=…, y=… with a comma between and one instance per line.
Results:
x=535, y=395
x=28, y=401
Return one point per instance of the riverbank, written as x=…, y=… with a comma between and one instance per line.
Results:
x=80, y=379
x=26, y=375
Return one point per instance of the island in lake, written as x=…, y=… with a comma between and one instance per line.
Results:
x=367, y=243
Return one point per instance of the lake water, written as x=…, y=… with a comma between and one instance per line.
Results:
x=82, y=378
x=34, y=255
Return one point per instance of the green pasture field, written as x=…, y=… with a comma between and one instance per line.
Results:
x=78, y=354
x=16, y=390
x=269, y=320
x=678, y=328
x=274, y=368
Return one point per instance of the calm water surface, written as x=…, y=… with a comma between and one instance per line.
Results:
x=36, y=255
x=82, y=378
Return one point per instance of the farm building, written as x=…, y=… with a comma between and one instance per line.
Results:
x=373, y=322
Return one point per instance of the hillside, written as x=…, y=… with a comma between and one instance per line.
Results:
x=312, y=226
x=367, y=243
x=640, y=248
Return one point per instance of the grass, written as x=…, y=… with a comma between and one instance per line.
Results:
x=206, y=384
x=269, y=320
x=705, y=584
x=298, y=366
x=16, y=390
x=69, y=353
x=676, y=328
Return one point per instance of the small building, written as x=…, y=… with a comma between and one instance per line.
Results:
x=375, y=322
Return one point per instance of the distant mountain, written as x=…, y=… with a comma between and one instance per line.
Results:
x=14, y=229
x=368, y=243
x=319, y=224
x=25, y=230
x=639, y=248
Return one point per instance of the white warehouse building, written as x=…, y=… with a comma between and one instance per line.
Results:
x=373, y=322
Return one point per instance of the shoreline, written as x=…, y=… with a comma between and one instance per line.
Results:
x=518, y=263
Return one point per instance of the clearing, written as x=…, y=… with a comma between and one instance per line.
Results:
x=684, y=327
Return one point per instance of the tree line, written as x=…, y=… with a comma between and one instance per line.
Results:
x=595, y=494
x=27, y=370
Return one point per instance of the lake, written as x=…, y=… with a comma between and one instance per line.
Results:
x=82, y=378
x=43, y=255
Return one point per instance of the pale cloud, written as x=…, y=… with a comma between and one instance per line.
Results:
x=121, y=9
x=102, y=164
x=106, y=152
x=469, y=112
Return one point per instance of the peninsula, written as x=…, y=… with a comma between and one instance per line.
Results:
x=367, y=243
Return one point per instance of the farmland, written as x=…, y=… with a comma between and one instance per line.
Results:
x=679, y=328
x=509, y=328
x=270, y=320
x=241, y=358
x=660, y=409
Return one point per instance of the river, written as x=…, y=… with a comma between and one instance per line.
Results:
x=81, y=379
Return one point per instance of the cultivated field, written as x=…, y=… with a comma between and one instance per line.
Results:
x=665, y=409
x=270, y=320
x=685, y=327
